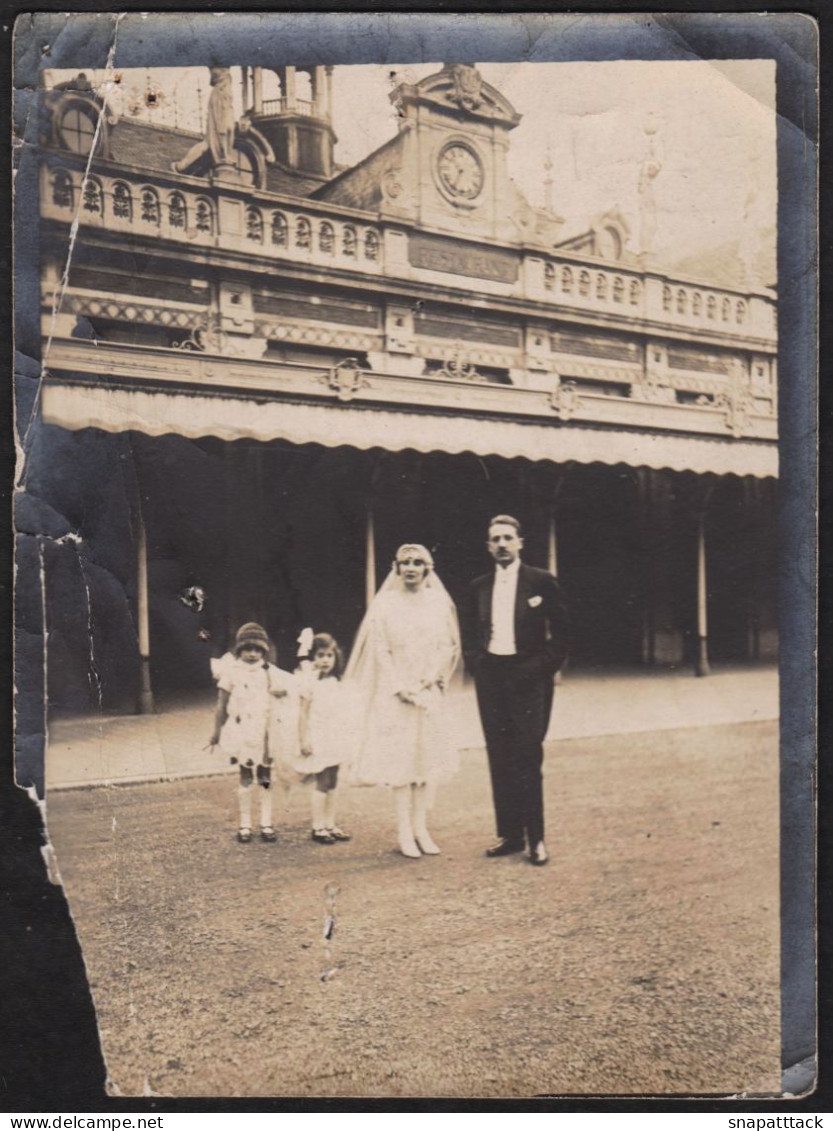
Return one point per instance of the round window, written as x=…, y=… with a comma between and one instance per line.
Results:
x=77, y=130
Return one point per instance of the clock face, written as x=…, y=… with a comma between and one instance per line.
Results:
x=460, y=171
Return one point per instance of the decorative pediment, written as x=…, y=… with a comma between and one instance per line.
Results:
x=615, y=219
x=605, y=235
x=460, y=88
x=249, y=135
x=248, y=141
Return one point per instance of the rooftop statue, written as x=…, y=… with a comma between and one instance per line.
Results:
x=648, y=173
x=219, y=130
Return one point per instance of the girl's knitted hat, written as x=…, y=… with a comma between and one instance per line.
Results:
x=251, y=634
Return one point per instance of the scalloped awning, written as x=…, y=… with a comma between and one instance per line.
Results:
x=193, y=415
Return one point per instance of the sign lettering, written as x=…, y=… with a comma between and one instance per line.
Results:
x=437, y=254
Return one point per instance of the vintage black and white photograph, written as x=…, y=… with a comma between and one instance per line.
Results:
x=404, y=452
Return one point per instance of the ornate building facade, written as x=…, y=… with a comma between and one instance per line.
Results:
x=264, y=372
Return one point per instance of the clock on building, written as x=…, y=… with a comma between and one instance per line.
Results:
x=460, y=172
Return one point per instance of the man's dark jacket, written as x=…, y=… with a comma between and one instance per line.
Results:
x=542, y=623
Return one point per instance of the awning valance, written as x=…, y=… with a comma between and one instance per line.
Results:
x=118, y=409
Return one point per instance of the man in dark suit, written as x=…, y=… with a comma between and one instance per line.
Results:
x=517, y=631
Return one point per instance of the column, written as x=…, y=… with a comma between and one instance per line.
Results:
x=552, y=487
x=319, y=90
x=665, y=561
x=257, y=521
x=245, y=573
x=643, y=482
x=244, y=71
x=547, y=487
x=552, y=560
x=289, y=89
x=552, y=547
x=369, y=558
x=701, y=665
x=143, y=617
x=752, y=526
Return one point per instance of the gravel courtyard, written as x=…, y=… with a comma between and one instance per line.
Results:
x=643, y=959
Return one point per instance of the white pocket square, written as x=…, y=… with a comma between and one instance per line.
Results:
x=534, y=602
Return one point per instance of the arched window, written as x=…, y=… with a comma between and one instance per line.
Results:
x=666, y=298
x=601, y=286
x=254, y=225
x=567, y=281
x=549, y=276
x=609, y=244
x=176, y=210
x=63, y=190
x=725, y=310
x=711, y=307
x=92, y=196
x=697, y=304
x=326, y=239
x=204, y=217
x=122, y=201
x=371, y=245
x=618, y=289
x=682, y=301
x=246, y=166
x=280, y=230
x=634, y=292
x=740, y=313
x=349, y=242
x=303, y=232
x=584, y=283
x=150, y=206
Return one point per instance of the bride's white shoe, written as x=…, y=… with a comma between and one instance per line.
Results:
x=426, y=844
x=408, y=847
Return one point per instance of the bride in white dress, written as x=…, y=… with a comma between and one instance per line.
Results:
x=405, y=653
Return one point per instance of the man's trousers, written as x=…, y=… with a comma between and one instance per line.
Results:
x=515, y=695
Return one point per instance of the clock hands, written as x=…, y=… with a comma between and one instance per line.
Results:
x=460, y=170
x=452, y=159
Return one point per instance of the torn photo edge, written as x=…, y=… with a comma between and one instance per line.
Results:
x=88, y=40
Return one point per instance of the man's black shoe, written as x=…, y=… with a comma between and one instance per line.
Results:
x=538, y=854
x=505, y=847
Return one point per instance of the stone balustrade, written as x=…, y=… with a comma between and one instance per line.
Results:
x=583, y=285
x=211, y=219
x=257, y=225
x=274, y=106
x=694, y=306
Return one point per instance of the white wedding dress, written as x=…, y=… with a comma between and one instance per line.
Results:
x=409, y=641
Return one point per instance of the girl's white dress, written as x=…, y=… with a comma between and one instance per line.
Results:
x=261, y=728
x=331, y=722
x=408, y=640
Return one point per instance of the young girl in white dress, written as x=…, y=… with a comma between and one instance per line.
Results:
x=252, y=724
x=405, y=654
x=325, y=729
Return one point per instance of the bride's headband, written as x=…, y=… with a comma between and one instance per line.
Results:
x=411, y=548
